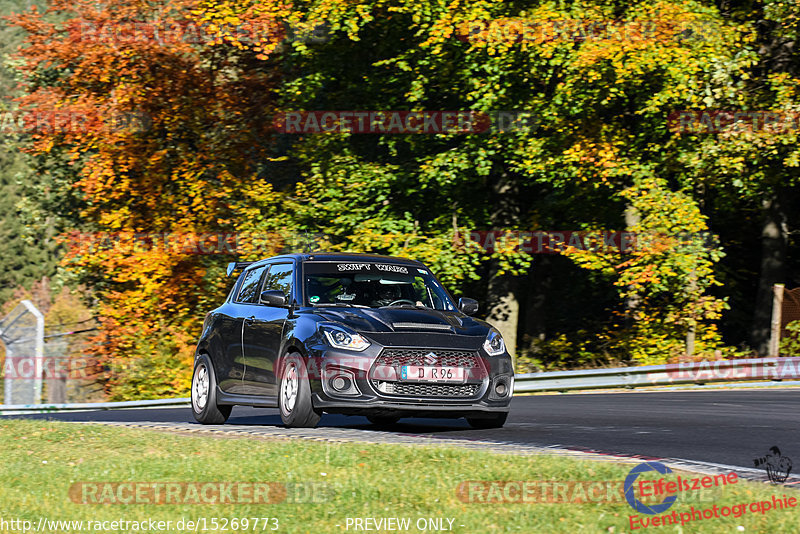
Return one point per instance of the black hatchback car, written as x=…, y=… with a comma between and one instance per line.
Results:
x=352, y=334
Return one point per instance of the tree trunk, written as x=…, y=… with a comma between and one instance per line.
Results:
x=57, y=390
x=536, y=288
x=691, y=332
x=632, y=220
x=503, y=304
x=504, y=308
x=773, y=265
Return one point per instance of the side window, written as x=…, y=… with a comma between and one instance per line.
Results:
x=249, y=289
x=279, y=278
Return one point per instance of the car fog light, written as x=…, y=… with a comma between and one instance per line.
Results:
x=340, y=383
x=337, y=381
x=501, y=389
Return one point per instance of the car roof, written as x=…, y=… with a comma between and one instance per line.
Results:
x=340, y=256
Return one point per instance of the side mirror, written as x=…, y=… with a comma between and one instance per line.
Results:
x=467, y=306
x=273, y=297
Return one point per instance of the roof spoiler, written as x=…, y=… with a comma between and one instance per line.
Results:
x=237, y=266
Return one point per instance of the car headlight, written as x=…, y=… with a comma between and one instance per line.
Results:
x=494, y=344
x=344, y=338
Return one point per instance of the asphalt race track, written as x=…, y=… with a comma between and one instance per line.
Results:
x=723, y=427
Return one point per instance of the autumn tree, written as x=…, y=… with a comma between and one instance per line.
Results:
x=149, y=127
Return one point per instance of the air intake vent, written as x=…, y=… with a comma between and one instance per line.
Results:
x=422, y=326
x=405, y=389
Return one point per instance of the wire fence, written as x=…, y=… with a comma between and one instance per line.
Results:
x=45, y=363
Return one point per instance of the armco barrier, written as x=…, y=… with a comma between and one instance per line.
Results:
x=754, y=369
x=20, y=409
x=776, y=370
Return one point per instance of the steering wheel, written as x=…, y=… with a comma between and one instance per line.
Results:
x=402, y=301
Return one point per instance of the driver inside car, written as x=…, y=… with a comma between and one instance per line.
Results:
x=383, y=295
x=386, y=294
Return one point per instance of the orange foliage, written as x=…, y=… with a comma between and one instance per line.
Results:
x=157, y=132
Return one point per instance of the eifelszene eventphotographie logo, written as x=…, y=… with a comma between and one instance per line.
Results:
x=654, y=494
x=630, y=485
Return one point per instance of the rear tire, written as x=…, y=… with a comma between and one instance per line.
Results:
x=204, y=394
x=493, y=421
x=294, y=394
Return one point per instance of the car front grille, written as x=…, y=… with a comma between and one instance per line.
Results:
x=395, y=358
x=444, y=357
x=407, y=389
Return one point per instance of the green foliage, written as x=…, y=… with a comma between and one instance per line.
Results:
x=150, y=369
x=601, y=142
x=580, y=350
x=29, y=247
x=664, y=278
x=790, y=343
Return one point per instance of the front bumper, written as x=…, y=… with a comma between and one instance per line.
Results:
x=369, y=383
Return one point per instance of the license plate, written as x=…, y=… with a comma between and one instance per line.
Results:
x=419, y=373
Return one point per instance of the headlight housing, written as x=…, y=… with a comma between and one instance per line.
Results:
x=342, y=337
x=494, y=344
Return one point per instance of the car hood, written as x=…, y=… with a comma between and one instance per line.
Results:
x=403, y=320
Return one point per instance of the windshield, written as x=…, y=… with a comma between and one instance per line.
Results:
x=373, y=285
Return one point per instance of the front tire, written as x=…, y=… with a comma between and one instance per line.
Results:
x=204, y=394
x=493, y=421
x=294, y=394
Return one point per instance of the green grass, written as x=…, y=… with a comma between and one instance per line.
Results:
x=367, y=481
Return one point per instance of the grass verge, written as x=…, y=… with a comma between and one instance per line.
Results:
x=326, y=484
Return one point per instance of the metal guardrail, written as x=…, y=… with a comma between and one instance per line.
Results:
x=21, y=409
x=753, y=369
x=729, y=371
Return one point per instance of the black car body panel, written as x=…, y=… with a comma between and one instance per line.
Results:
x=245, y=340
